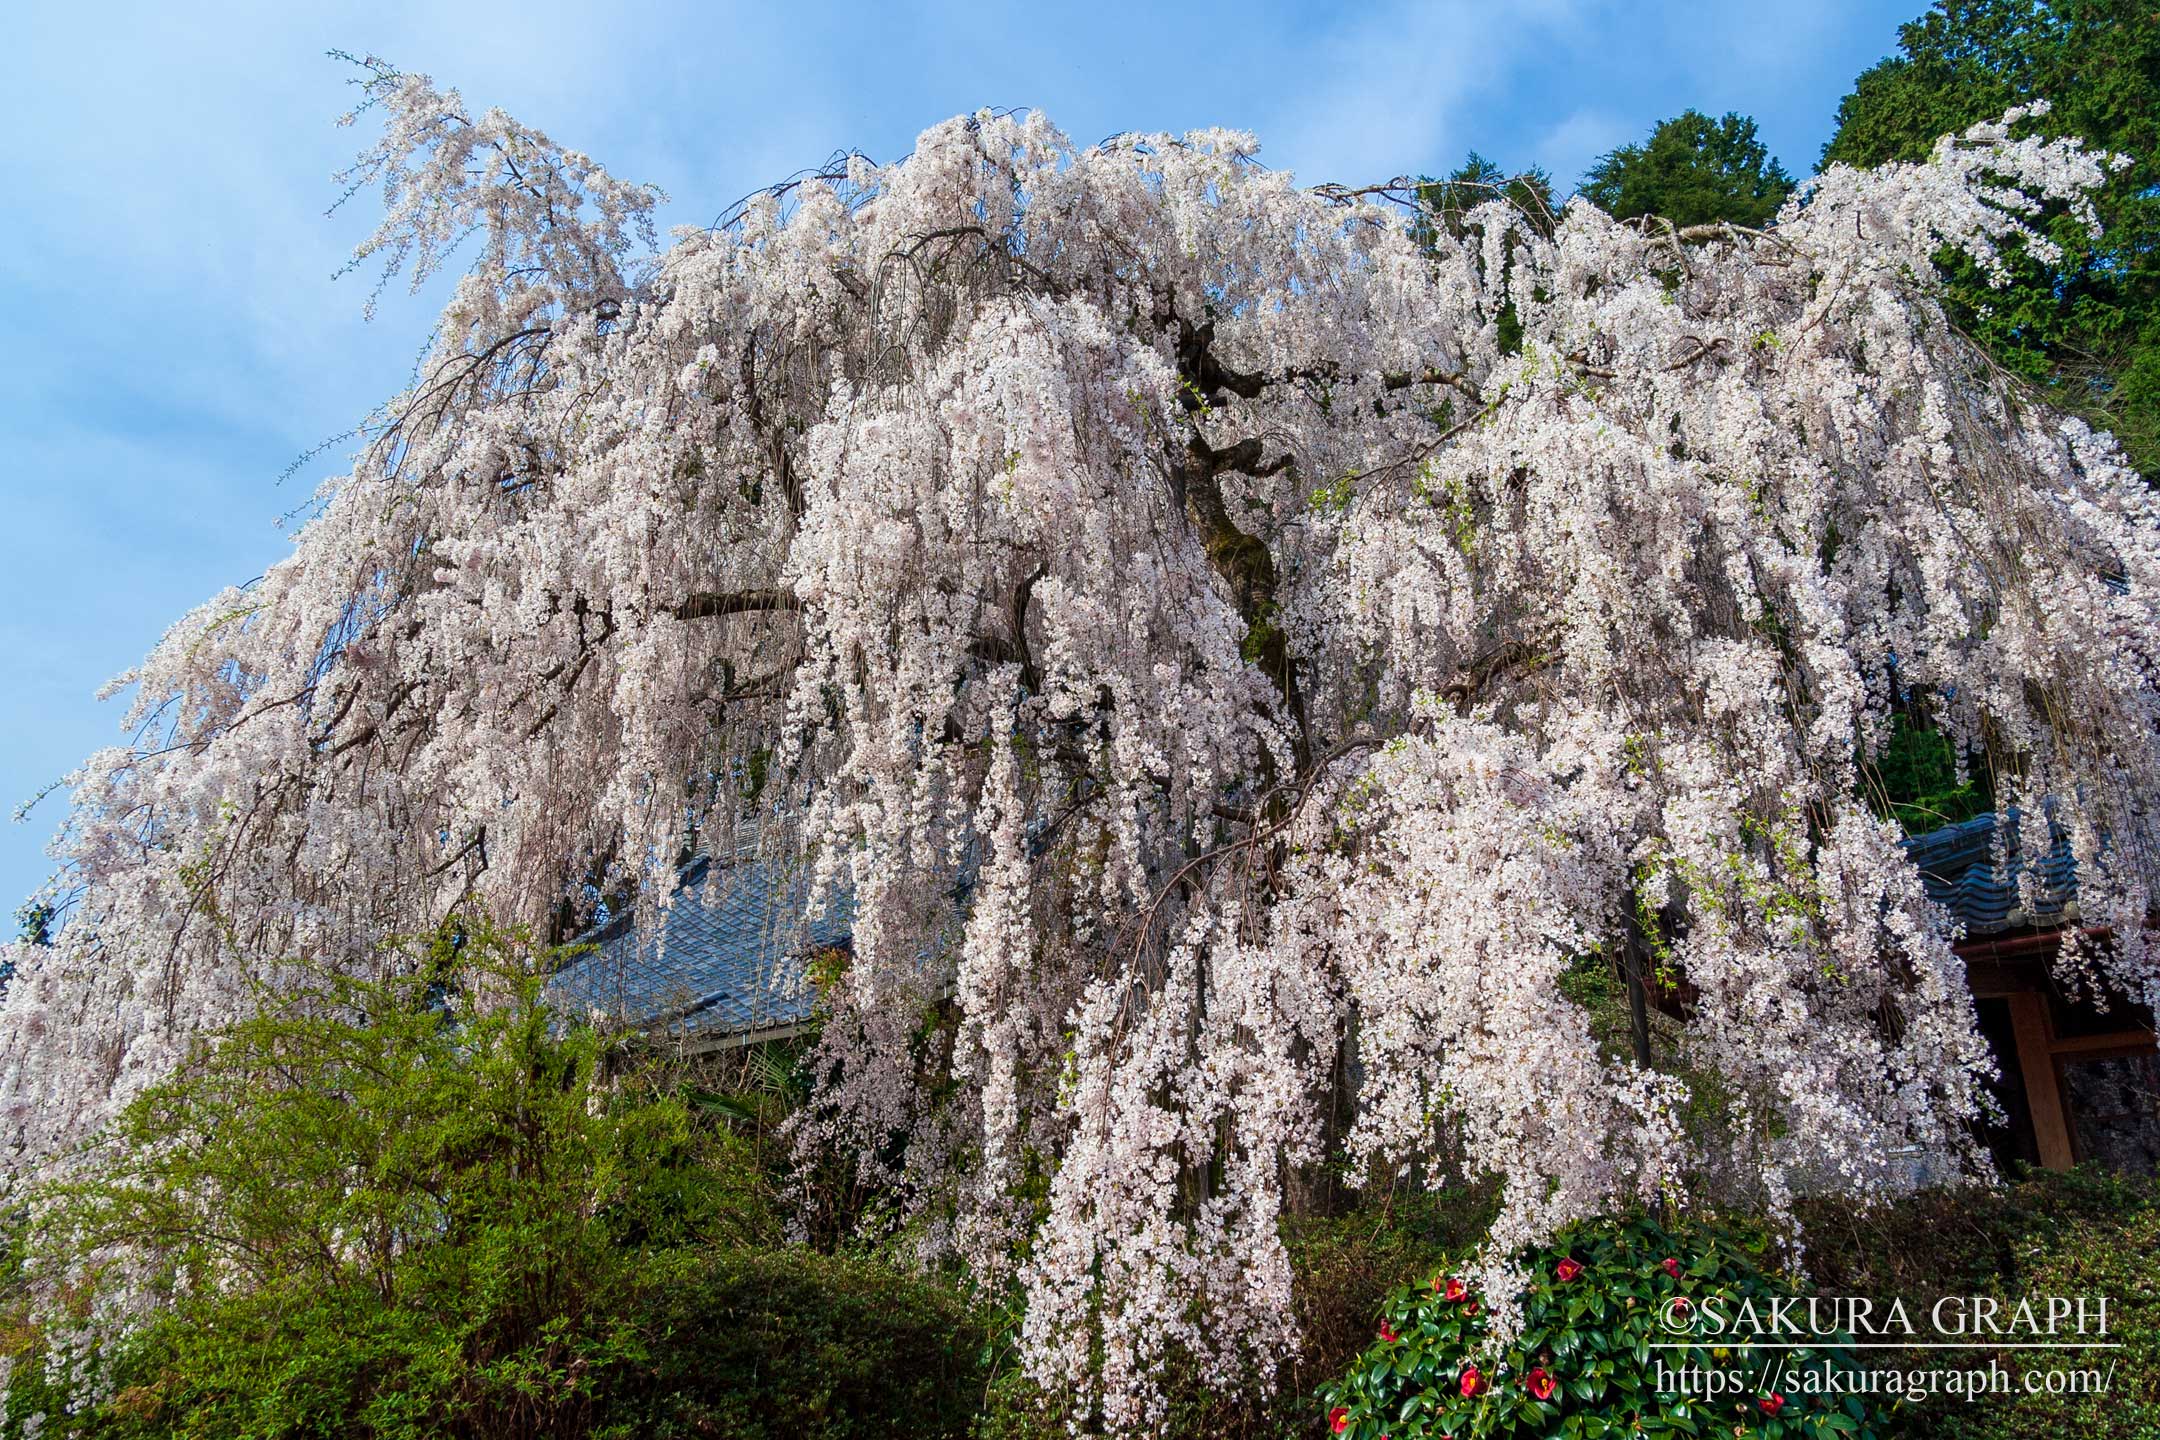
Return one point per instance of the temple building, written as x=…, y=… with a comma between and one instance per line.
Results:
x=2080, y=1074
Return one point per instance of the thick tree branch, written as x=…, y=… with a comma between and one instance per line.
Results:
x=707, y=605
x=1505, y=659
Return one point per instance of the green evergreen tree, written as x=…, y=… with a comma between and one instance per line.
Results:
x=1478, y=180
x=1693, y=170
x=2088, y=326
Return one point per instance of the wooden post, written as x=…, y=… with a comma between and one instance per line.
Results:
x=1635, y=957
x=2043, y=1089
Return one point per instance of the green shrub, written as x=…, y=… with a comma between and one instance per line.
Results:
x=1606, y=1323
x=1344, y=1266
x=2083, y=1232
x=789, y=1342
x=1914, y=781
x=424, y=1206
x=769, y=1344
x=410, y=1205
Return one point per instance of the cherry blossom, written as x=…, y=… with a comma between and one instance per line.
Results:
x=1238, y=649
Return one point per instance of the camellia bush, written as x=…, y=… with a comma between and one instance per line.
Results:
x=1611, y=1340
x=1236, y=646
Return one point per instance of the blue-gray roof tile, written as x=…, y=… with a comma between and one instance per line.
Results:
x=729, y=952
x=726, y=958
x=1959, y=869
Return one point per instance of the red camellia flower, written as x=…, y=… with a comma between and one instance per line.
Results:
x=1672, y=1268
x=1470, y=1309
x=1387, y=1333
x=1538, y=1383
x=1338, y=1420
x=1455, y=1290
x=1771, y=1404
x=1473, y=1383
x=1567, y=1270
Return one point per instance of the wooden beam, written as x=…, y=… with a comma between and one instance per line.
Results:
x=709, y=1044
x=2100, y=1047
x=1993, y=979
x=2043, y=1086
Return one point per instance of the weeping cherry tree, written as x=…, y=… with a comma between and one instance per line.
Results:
x=1237, y=646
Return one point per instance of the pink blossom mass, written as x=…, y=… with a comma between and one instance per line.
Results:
x=1238, y=643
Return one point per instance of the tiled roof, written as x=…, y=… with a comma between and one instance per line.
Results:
x=1958, y=867
x=726, y=958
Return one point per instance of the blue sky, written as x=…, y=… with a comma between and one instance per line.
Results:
x=170, y=338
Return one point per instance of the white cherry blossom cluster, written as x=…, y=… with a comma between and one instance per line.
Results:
x=1240, y=652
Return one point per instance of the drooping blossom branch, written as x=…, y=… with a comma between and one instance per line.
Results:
x=1239, y=647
